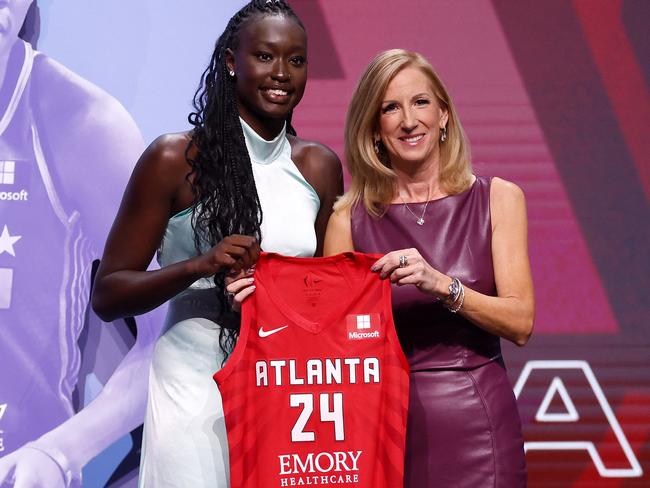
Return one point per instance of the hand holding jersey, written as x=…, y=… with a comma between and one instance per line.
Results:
x=232, y=254
x=408, y=267
x=240, y=287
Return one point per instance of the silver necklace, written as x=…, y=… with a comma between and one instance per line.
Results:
x=418, y=220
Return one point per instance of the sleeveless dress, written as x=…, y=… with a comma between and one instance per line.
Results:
x=185, y=442
x=463, y=426
x=45, y=262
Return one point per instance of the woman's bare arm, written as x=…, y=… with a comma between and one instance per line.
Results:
x=123, y=286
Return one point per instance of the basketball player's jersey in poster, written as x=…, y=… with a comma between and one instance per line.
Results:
x=44, y=272
x=316, y=390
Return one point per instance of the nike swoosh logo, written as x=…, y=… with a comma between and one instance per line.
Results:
x=266, y=333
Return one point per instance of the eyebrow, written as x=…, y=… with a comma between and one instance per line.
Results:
x=423, y=94
x=273, y=45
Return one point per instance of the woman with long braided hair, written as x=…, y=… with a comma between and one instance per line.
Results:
x=206, y=200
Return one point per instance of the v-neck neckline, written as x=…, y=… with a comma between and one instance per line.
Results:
x=337, y=310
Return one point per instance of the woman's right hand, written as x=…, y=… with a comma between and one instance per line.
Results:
x=235, y=253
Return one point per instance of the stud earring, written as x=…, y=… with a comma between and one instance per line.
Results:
x=443, y=134
x=231, y=72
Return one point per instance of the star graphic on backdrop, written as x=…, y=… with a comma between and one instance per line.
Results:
x=7, y=242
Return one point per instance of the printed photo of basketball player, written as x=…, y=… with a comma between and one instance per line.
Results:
x=66, y=150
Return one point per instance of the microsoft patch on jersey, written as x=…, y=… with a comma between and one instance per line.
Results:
x=363, y=327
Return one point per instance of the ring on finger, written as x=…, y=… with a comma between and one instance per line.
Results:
x=403, y=261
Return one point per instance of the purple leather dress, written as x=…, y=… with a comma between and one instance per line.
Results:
x=463, y=427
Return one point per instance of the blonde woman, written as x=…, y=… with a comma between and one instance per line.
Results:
x=455, y=247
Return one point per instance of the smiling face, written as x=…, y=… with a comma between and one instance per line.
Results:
x=410, y=118
x=270, y=65
x=12, y=16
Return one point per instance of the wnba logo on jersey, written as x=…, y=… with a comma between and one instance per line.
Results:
x=313, y=288
x=367, y=326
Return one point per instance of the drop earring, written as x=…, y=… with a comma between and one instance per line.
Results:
x=443, y=134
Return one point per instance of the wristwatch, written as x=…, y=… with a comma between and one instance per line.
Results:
x=454, y=291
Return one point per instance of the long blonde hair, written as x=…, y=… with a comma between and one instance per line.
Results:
x=373, y=181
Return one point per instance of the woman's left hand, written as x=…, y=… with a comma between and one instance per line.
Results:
x=408, y=267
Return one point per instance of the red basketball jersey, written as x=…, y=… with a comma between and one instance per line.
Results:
x=316, y=390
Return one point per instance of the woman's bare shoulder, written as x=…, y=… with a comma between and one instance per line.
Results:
x=305, y=151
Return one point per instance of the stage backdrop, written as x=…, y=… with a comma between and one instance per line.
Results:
x=554, y=95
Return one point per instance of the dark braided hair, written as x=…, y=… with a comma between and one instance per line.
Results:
x=226, y=199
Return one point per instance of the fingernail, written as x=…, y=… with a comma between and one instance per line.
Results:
x=250, y=280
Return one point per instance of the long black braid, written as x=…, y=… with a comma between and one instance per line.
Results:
x=226, y=199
